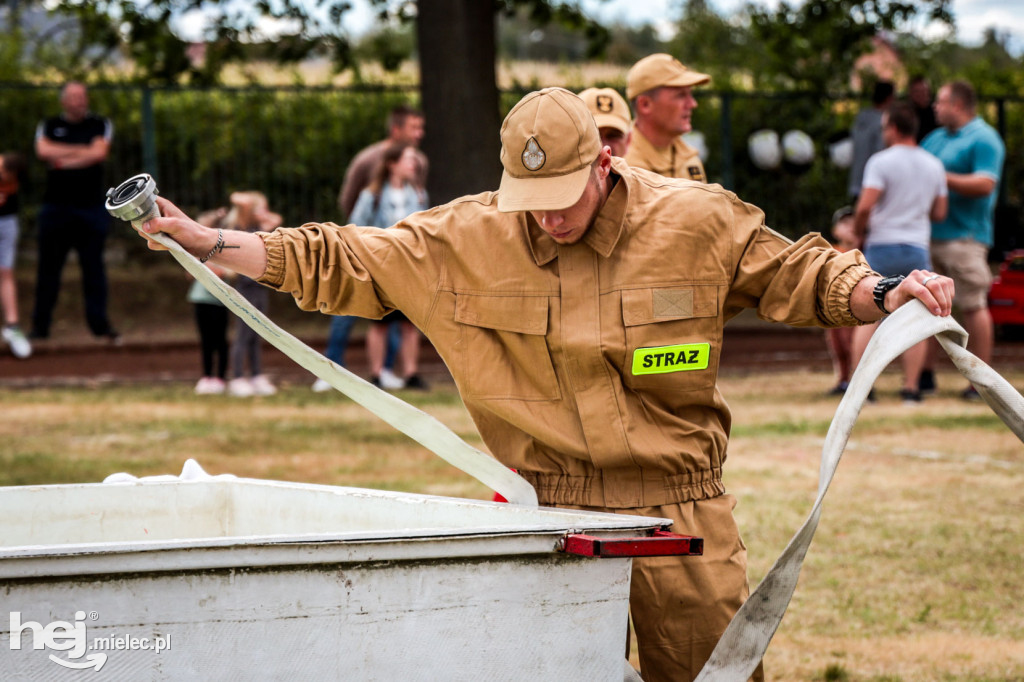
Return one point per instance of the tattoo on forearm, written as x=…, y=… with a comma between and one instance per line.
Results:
x=219, y=247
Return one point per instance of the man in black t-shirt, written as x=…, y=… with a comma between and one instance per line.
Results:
x=919, y=93
x=74, y=146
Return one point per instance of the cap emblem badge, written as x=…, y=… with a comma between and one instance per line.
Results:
x=604, y=104
x=533, y=156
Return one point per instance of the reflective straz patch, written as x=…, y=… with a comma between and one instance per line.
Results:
x=663, y=359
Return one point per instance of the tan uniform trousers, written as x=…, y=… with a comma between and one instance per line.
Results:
x=681, y=605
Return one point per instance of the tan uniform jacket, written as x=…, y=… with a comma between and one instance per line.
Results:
x=678, y=160
x=542, y=339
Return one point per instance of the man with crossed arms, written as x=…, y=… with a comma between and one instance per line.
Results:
x=556, y=303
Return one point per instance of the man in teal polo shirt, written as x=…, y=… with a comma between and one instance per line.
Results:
x=972, y=154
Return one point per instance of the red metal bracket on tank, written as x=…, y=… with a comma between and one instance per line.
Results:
x=660, y=543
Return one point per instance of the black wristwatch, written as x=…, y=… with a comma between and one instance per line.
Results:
x=884, y=286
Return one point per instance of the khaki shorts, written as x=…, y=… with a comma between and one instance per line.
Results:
x=966, y=261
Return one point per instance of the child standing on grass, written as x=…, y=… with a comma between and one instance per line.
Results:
x=250, y=213
x=12, y=167
x=390, y=197
x=212, y=322
x=840, y=339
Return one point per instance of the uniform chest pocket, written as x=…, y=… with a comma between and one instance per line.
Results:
x=503, y=352
x=673, y=337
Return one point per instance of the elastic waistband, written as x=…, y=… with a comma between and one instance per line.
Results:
x=625, y=488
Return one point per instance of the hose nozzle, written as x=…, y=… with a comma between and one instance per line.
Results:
x=134, y=200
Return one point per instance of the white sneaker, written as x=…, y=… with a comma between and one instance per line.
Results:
x=15, y=338
x=389, y=381
x=240, y=387
x=210, y=386
x=261, y=385
x=321, y=386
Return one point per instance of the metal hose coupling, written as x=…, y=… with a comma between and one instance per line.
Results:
x=134, y=200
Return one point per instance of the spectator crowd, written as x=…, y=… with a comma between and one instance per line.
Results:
x=923, y=182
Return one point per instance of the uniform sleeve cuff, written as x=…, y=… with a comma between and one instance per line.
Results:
x=837, y=311
x=274, y=274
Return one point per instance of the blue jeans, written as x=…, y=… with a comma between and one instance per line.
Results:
x=341, y=328
x=897, y=259
x=337, y=337
x=248, y=346
x=394, y=343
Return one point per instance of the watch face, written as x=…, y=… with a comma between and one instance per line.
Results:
x=882, y=287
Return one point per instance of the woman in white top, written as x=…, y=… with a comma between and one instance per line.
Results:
x=391, y=197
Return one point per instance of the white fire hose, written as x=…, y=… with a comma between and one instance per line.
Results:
x=745, y=640
x=134, y=201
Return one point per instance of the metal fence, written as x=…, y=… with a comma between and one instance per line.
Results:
x=201, y=144
x=294, y=143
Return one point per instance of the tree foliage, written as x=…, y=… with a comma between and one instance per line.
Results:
x=713, y=44
x=813, y=45
x=807, y=45
x=568, y=15
x=565, y=16
x=156, y=37
x=152, y=37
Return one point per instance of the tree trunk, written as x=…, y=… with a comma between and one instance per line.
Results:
x=456, y=41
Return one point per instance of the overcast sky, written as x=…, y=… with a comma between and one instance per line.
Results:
x=972, y=16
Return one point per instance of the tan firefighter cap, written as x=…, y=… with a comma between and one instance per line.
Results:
x=608, y=108
x=659, y=71
x=548, y=142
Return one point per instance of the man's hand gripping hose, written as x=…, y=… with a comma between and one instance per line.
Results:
x=134, y=201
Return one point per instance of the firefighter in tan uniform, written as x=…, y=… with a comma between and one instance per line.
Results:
x=661, y=92
x=580, y=310
x=611, y=113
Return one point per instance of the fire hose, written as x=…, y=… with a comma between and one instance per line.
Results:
x=134, y=201
x=746, y=638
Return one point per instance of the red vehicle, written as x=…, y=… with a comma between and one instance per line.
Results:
x=1006, y=297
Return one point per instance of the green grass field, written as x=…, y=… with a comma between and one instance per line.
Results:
x=915, y=573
